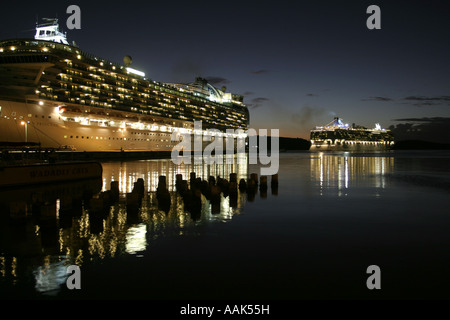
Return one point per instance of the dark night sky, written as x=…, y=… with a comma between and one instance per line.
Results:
x=298, y=63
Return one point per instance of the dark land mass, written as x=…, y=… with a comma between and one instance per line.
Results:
x=287, y=144
x=420, y=145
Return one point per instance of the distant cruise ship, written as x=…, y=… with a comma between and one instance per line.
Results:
x=54, y=95
x=339, y=136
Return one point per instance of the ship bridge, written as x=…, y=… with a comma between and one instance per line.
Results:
x=49, y=31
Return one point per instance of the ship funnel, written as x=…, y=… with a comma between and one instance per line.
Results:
x=127, y=60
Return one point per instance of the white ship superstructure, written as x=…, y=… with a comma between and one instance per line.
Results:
x=49, y=31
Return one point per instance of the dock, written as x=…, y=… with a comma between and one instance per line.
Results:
x=32, y=174
x=22, y=152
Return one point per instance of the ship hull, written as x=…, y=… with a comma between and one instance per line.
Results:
x=355, y=146
x=29, y=124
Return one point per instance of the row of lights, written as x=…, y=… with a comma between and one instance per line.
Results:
x=13, y=48
x=141, y=126
x=355, y=142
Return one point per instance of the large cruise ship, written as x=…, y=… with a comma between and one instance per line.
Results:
x=339, y=136
x=54, y=95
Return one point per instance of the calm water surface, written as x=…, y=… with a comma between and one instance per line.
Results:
x=332, y=216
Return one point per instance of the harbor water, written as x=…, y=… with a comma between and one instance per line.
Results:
x=312, y=236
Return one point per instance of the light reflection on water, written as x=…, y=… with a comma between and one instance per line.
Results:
x=345, y=170
x=127, y=173
x=46, y=229
x=136, y=239
x=59, y=224
x=51, y=275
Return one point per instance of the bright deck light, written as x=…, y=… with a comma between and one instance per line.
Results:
x=134, y=71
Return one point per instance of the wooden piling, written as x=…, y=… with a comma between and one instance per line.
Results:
x=274, y=181
x=274, y=184
x=162, y=182
x=114, y=188
x=263, y=183
x=254, y=177
x=215, y=194
x=242, y=185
